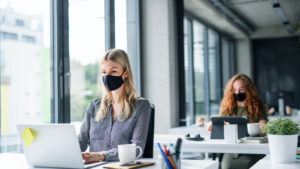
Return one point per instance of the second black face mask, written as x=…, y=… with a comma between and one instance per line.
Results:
x=239, y=97
x=113, y=82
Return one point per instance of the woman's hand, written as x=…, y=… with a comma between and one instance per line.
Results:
x=209, y=126
x=262, y=124
x=92, y=157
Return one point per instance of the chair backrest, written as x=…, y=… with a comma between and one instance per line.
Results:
x=148, y=151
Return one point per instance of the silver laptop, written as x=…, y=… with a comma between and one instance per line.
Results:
x=53, y=145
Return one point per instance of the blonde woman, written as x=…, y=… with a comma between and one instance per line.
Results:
x=119, y=117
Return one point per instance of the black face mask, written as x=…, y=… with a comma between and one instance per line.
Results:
x=239, y=97
x=113, y=82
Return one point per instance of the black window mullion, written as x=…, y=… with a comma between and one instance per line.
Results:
x=109, y=24
x=180, y=54
x=60, y=62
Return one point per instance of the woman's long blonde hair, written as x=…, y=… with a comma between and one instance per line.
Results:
x=254, y=104
x=130, y=95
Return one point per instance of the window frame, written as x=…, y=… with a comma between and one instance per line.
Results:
x=218, y=57
x=60, y=102
x=60, y=58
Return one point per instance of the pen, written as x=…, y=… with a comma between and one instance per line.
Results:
x=177, y=147
x=164, y=156
x=130, y=164
x=171, y=152
x=166, y=150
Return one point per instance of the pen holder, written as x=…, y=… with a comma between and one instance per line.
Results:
x=176, y=160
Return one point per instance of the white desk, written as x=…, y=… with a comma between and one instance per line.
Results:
x=17, y=161
x=212, y=146
x=192, y=130
x=266, y=163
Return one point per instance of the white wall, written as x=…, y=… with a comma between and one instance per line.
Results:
x=244, y=61
x=160, y=79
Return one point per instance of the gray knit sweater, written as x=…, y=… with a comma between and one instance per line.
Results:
x=105, y=135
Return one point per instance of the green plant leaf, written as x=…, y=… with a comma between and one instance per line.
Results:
x=281, y=126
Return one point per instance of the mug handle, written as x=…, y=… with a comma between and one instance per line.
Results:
x=140, y=150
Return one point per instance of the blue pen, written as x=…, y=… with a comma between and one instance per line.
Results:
x=130, y=164
x=165, y=157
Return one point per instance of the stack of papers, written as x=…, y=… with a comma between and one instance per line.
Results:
x=254, y=140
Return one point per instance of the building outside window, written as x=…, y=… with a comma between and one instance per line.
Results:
x=26, y=87
x=87, y=46
x=19, y=85
x=19, y=22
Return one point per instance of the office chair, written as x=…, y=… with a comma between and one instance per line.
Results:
x=148, y=151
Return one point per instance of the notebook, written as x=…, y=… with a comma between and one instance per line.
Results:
x=52, y=145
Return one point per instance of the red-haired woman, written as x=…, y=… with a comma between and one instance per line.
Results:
x=241, y=99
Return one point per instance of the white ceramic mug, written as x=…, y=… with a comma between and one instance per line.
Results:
x=127, y=152
x=253, y=129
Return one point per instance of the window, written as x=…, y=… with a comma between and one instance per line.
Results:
x=19, y=22
x=3, y=19
x=87, y=46
x=121, y=24
x=28, y=39
x=202, y=65
x=188, y=72
x=25, y=97
x=8, y=36
x=199, y=76
x=214, y=74
x=34, y=81
x=87, y=41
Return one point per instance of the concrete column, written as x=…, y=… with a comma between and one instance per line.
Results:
x=159, y=61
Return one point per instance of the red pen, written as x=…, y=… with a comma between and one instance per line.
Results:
x=169, y=157
x=166, y=151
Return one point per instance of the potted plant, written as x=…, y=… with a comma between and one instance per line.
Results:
x=283, y=135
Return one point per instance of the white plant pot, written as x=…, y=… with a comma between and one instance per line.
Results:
x=283, y=148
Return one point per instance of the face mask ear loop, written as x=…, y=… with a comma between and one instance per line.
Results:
x=123, y=72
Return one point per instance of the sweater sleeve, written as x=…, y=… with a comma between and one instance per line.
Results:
x=83, y=136
x=141, y=128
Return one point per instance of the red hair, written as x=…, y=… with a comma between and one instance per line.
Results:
x=254, y=104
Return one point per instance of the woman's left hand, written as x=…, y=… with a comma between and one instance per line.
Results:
x=92, y=157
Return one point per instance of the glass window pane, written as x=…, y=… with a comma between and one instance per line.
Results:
x=187, y=54
x=121, y=24
x=199, y=68
x=212, y=54
x=25, y=67
x=87, y=45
